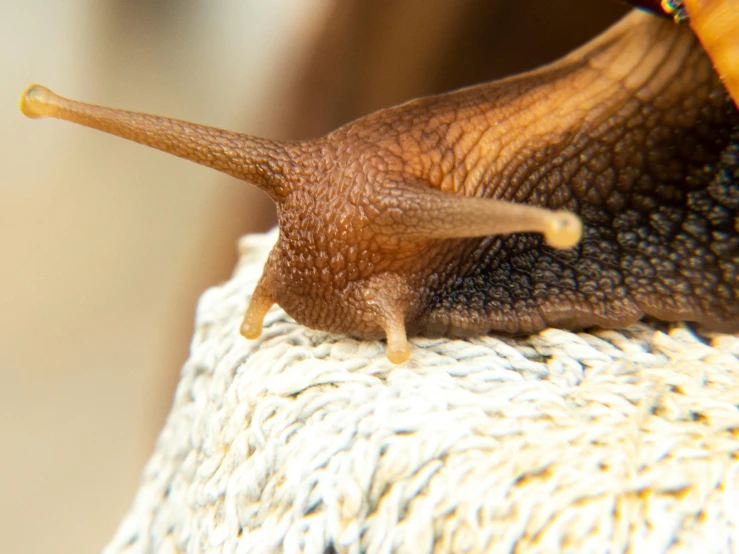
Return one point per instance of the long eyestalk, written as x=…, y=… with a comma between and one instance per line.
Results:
x=260, y=161
x=419, y=212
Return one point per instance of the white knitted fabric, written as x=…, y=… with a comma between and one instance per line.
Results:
x=304, y=441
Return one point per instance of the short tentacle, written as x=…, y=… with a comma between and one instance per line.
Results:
x=386, y=299
x=397, y=349
x=261, y=301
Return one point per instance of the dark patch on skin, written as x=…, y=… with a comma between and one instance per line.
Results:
x=668, y=250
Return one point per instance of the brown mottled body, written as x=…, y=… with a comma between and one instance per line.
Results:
x=394, y=224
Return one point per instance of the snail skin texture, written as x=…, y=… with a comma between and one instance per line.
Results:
x=590, y=192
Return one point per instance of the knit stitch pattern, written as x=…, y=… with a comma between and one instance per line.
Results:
x=308, y=442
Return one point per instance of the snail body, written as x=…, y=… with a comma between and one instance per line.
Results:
x=591, y=192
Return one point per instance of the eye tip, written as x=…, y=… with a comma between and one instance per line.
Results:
x=564, y=230
x=35, y=101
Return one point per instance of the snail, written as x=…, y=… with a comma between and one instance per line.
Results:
x=590, y=192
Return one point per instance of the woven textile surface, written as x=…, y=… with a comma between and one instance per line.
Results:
x=304, y=441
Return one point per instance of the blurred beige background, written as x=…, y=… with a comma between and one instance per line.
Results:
x=106, y=245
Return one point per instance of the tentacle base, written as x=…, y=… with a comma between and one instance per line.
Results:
x=387, y=301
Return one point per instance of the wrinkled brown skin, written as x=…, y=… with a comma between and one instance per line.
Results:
x=633, y=132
